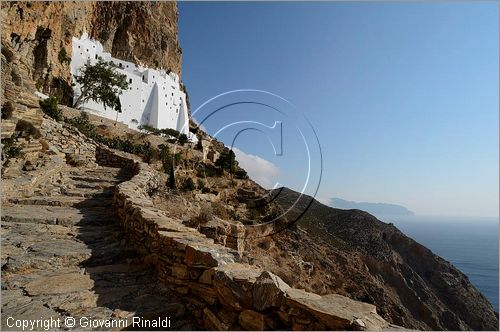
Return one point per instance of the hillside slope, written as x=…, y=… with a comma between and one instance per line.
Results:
x=351, y=252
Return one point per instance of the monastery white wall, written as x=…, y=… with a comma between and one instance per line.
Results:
x=154, y=97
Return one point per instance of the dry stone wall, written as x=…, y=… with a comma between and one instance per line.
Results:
x=222, y=293
x=63, y=139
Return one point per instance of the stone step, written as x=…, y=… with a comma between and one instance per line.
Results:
x=55, y=215
x=108, y=173
x=63, y=201
x=84, y=185
x=90, y=192
x=93, y=179
x=8, y=128
x=31, y=115
x=33, y=146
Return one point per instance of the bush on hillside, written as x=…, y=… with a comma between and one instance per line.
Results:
x=49, y=107
x=188, y=184
x=83, y=124
x=9, y=149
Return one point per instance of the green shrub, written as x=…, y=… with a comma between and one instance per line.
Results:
x=227, y=161
x=199, y=145
x=63, y=56
x=165, y=157
x=174, y=135
x=49, y=107
x=240, y=173
x=188, y=184
x=104, y=35
x=83, y=124
x=9, y=149
x=149, y=129
x=200, y=184
x=205, y=190
x=178, y=158
x=39, y=84
x=183, y=139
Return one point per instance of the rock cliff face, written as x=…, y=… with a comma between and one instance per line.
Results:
x=36, y=40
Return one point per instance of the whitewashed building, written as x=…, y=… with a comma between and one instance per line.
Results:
x=154, y=97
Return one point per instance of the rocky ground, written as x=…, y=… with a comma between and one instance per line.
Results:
x=63, y=254
x=352, y=253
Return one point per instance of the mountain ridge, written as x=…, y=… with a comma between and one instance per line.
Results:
x=378, y=209
x=374, y=261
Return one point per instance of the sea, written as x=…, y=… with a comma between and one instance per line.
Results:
x=470, y=244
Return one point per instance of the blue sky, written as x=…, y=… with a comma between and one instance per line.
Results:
x=403, y=97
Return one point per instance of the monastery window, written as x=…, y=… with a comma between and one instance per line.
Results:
x=130, y=80
x=78, y=46
x=96, y=56
x=120, y=65
x=87, y=49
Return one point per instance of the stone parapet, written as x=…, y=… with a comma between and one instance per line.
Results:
x=223, y=293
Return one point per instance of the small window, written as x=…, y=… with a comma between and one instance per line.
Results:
x=130, y=80
x=87, y=49
x=96, y=56
x=120, y=65
x=78, y=46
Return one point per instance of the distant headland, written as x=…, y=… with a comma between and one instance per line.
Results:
x=377, y=209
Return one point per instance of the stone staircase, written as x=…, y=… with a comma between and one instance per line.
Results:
x=64, y=255
x=30, y=146
x=32, y=115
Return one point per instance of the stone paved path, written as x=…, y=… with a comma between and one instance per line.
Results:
x=63, y=254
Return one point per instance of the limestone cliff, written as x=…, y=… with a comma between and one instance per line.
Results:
x=36, y=40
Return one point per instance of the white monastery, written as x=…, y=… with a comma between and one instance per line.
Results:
x=154, y=97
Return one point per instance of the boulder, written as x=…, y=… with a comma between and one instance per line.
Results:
x=268, y=291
